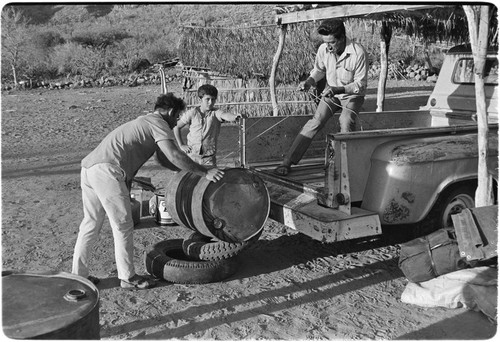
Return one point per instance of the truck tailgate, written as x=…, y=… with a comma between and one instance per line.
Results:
x=297, y=207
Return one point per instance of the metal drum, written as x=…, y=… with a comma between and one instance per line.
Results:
x=233, y=209
x=49, y=306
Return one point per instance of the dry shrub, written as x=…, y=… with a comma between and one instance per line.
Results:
x=74, y=59
x=99, y=37
x=246, y=52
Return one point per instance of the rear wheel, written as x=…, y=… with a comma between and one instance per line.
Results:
x=451, y=202
x=457, y=201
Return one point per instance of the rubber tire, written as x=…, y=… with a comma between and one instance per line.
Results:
x=435, y=218
x=166, y=260
x=200, y=247
x=458, y=199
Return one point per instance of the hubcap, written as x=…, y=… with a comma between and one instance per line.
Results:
x=456, y=205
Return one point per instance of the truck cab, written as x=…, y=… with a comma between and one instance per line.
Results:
x=453, y=100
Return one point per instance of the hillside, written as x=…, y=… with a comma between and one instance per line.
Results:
x=142, y=15
x=90, y=41
x=107, y=40
x=153, y=20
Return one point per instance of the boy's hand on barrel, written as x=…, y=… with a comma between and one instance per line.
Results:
x=214, y=175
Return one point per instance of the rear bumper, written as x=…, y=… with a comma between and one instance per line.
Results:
x=300, y=211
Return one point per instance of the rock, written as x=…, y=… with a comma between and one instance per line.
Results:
x=432, y=78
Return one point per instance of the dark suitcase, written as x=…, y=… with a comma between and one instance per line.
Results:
x=430, y=256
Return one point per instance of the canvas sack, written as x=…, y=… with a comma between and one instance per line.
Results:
x=430, y=256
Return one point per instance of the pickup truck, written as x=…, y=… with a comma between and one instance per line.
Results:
x=410, y=168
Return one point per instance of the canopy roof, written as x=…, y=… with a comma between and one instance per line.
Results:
x=467, y=48
x=432, y=22
x=294, y=14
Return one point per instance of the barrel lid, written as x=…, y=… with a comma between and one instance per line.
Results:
x=236, y=207
x=34, y=304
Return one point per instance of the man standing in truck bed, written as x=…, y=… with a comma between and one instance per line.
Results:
x=344, y=64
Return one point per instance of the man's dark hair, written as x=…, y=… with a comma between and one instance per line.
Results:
x=207, y=89
x=332, y=27
x=169, y=100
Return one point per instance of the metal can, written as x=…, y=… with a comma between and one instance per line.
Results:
x=158, y=209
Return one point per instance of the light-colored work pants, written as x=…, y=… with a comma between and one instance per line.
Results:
x=104, y=191
x=349, y=108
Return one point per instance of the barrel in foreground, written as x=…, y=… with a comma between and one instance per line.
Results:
x=49, y=306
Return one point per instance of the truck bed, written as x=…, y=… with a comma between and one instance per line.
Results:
x=264, y=142
x=308, y=177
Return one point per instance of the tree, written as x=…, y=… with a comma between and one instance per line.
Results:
x=385, y=40
x=14, y=43
x=478, y=21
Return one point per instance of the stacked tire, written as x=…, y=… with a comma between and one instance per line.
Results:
x=197, y=259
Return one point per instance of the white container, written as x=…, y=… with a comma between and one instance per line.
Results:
x=158, y=209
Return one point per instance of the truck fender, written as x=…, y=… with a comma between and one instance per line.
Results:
x=408, y=206
x=407, y=176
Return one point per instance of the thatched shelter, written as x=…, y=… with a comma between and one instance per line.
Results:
x=249, y=53
x=430, y=22
x=246, y=53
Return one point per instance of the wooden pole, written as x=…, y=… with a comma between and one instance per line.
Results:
x=478, y=21
x=272, y=78
x=385, y=41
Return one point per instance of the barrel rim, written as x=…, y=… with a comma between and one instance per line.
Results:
x=198, y=204
x=170, y=193
x=54, y=274
x=197, y=207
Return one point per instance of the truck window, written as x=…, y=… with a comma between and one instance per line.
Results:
x=464, y=71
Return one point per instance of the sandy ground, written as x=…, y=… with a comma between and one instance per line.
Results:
x=287, y=287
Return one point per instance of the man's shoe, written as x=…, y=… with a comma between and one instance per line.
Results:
x=137, y=282
x=93, y=279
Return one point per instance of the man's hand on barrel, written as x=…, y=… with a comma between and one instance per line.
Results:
x=214, y=175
